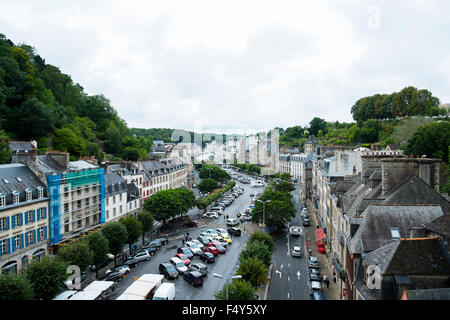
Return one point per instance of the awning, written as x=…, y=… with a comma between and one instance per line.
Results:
x=319, y=234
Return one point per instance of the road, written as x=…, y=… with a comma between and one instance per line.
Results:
x=225, y=265
x=290, y=279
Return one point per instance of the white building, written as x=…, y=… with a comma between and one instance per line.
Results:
x=115, y=196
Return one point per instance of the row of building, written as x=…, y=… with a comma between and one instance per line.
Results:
x=385, y=226
x=47, y=201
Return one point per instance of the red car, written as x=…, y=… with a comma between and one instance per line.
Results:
x=183, y=258
x=211, y=249
x=218, y=246
x=190, y=224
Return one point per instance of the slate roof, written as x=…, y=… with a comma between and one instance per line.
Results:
x=47, y=165
x=9, y=182
x=20, y=146
x=374, y=231
x=425, y=256
x=428, y=294
x=132, y=192
x=440, y=226
x=114, y=184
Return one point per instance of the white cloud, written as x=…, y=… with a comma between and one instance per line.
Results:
x=236, y=64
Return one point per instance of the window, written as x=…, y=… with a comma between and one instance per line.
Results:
x=30, y=216
x=42, y=213
x=107, y=214
x=41, y=233
x=17, y=219
x=40, y=192
x=3, y=247
x=15, y=197
x=17, y=242
x=28, y=194
x=114, y=212
x=30, y=237
x=2, y=200
x=87, y=221
x=87, y=201
x=395, y=233
x=3, y=224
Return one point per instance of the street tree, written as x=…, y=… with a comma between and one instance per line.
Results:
x=47, y=277
x=134, y=229
x=164, y=205
x=254, y=271
x=77, y=253
x=146, y=219
x=99, y=246
x=259, y=250
x=263, y=237
x=207, y=185
x=15, y=287
x=116, y=234
x=237, y=290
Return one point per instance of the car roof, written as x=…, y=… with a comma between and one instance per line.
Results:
x=166, y=264
x=175, y=259
x=297, y=248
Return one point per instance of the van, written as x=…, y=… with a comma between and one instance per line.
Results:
x=166, y=291
x=232, y=222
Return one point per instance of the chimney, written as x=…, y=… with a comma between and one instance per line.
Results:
x=61, y=157
x=28, y=158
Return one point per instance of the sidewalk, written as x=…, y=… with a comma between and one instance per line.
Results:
x=332, y=292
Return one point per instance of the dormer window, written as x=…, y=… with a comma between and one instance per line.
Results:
x=28, y=194
x=2, y=200
x=15, y=197
x=395, y=233
x=40, y=192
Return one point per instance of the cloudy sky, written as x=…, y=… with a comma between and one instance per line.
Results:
x=238, y=65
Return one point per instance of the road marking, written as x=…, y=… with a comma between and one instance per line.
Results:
x=278, y=272
x=289, y=265
x=288, y=295
x=298, y=274
x=281, y=267
x=289, y=278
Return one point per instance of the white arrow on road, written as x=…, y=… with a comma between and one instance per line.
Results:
x=281, y=267
x=298, y=274
x=276, y=271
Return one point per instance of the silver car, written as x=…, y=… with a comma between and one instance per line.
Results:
x=199, y=267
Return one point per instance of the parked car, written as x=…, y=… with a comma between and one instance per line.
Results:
x=163, y=240
x=150, y=250
x=199, y=267
x=178, y=265
x=141, y=256
x=193, y=277
x=234, y=231
x=231, y=222
x=218, y=246
x=191, y=224
x=131, y=262
x=124, y=269
x=183, y=258
x=217, y=209
x=186, y=251
x=314, y=276
x=168, y=271
x=211, y=249
x=297, y=252
x=207, y=257
x=313, y=262
x=115, y=276
x=306, y=222
x=314, y=271
x=198, y=243
x=211, y=232
x=204, y=240
x=195, y=249
x=154, y=244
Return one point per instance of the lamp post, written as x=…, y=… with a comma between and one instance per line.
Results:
x=264, y=210
x=227, y=279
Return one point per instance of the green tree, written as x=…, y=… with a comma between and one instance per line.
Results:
x=254, y=271
x=15, y=287
x=263, y=237
x=214, y=172
x=77, y=253
x=207, y=185
x=4, y=147
x=146, y=219
x=66, y=139
x=164, y=205
x=259, y=250
x=431, y=140
x=99, y=246
x=317, y=124
x=275, y=214
x=116, y=234
x=237, y=290
x=33, y=119
x=47, y=277
x=285, y=176
x=284, y=186
x=134, y=229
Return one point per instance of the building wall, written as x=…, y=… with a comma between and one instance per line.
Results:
x=31, y=233
x=115, y=206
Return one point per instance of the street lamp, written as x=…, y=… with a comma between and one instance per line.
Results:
x=264, y=210
x=228, y=279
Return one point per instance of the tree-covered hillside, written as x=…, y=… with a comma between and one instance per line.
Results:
x=39, y=102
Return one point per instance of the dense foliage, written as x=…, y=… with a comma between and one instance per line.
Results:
x=15, y=287
x=39, y=102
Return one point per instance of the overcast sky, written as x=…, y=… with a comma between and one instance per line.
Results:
x=238, y=65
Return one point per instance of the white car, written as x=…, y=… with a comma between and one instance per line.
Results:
x=198, y=243
x=194, y=248
x=179, y=265
x=122, y=269
x=211, y=215
x=295, y=231
x=232, y=222
x=211, y=232
x=296, y=252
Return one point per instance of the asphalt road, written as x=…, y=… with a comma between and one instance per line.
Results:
x=225, y=264
x=290, y=278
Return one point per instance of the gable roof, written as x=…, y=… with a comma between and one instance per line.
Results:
x=424, y=256
x=428, y=294
x=440, y=226
x=374, y=231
